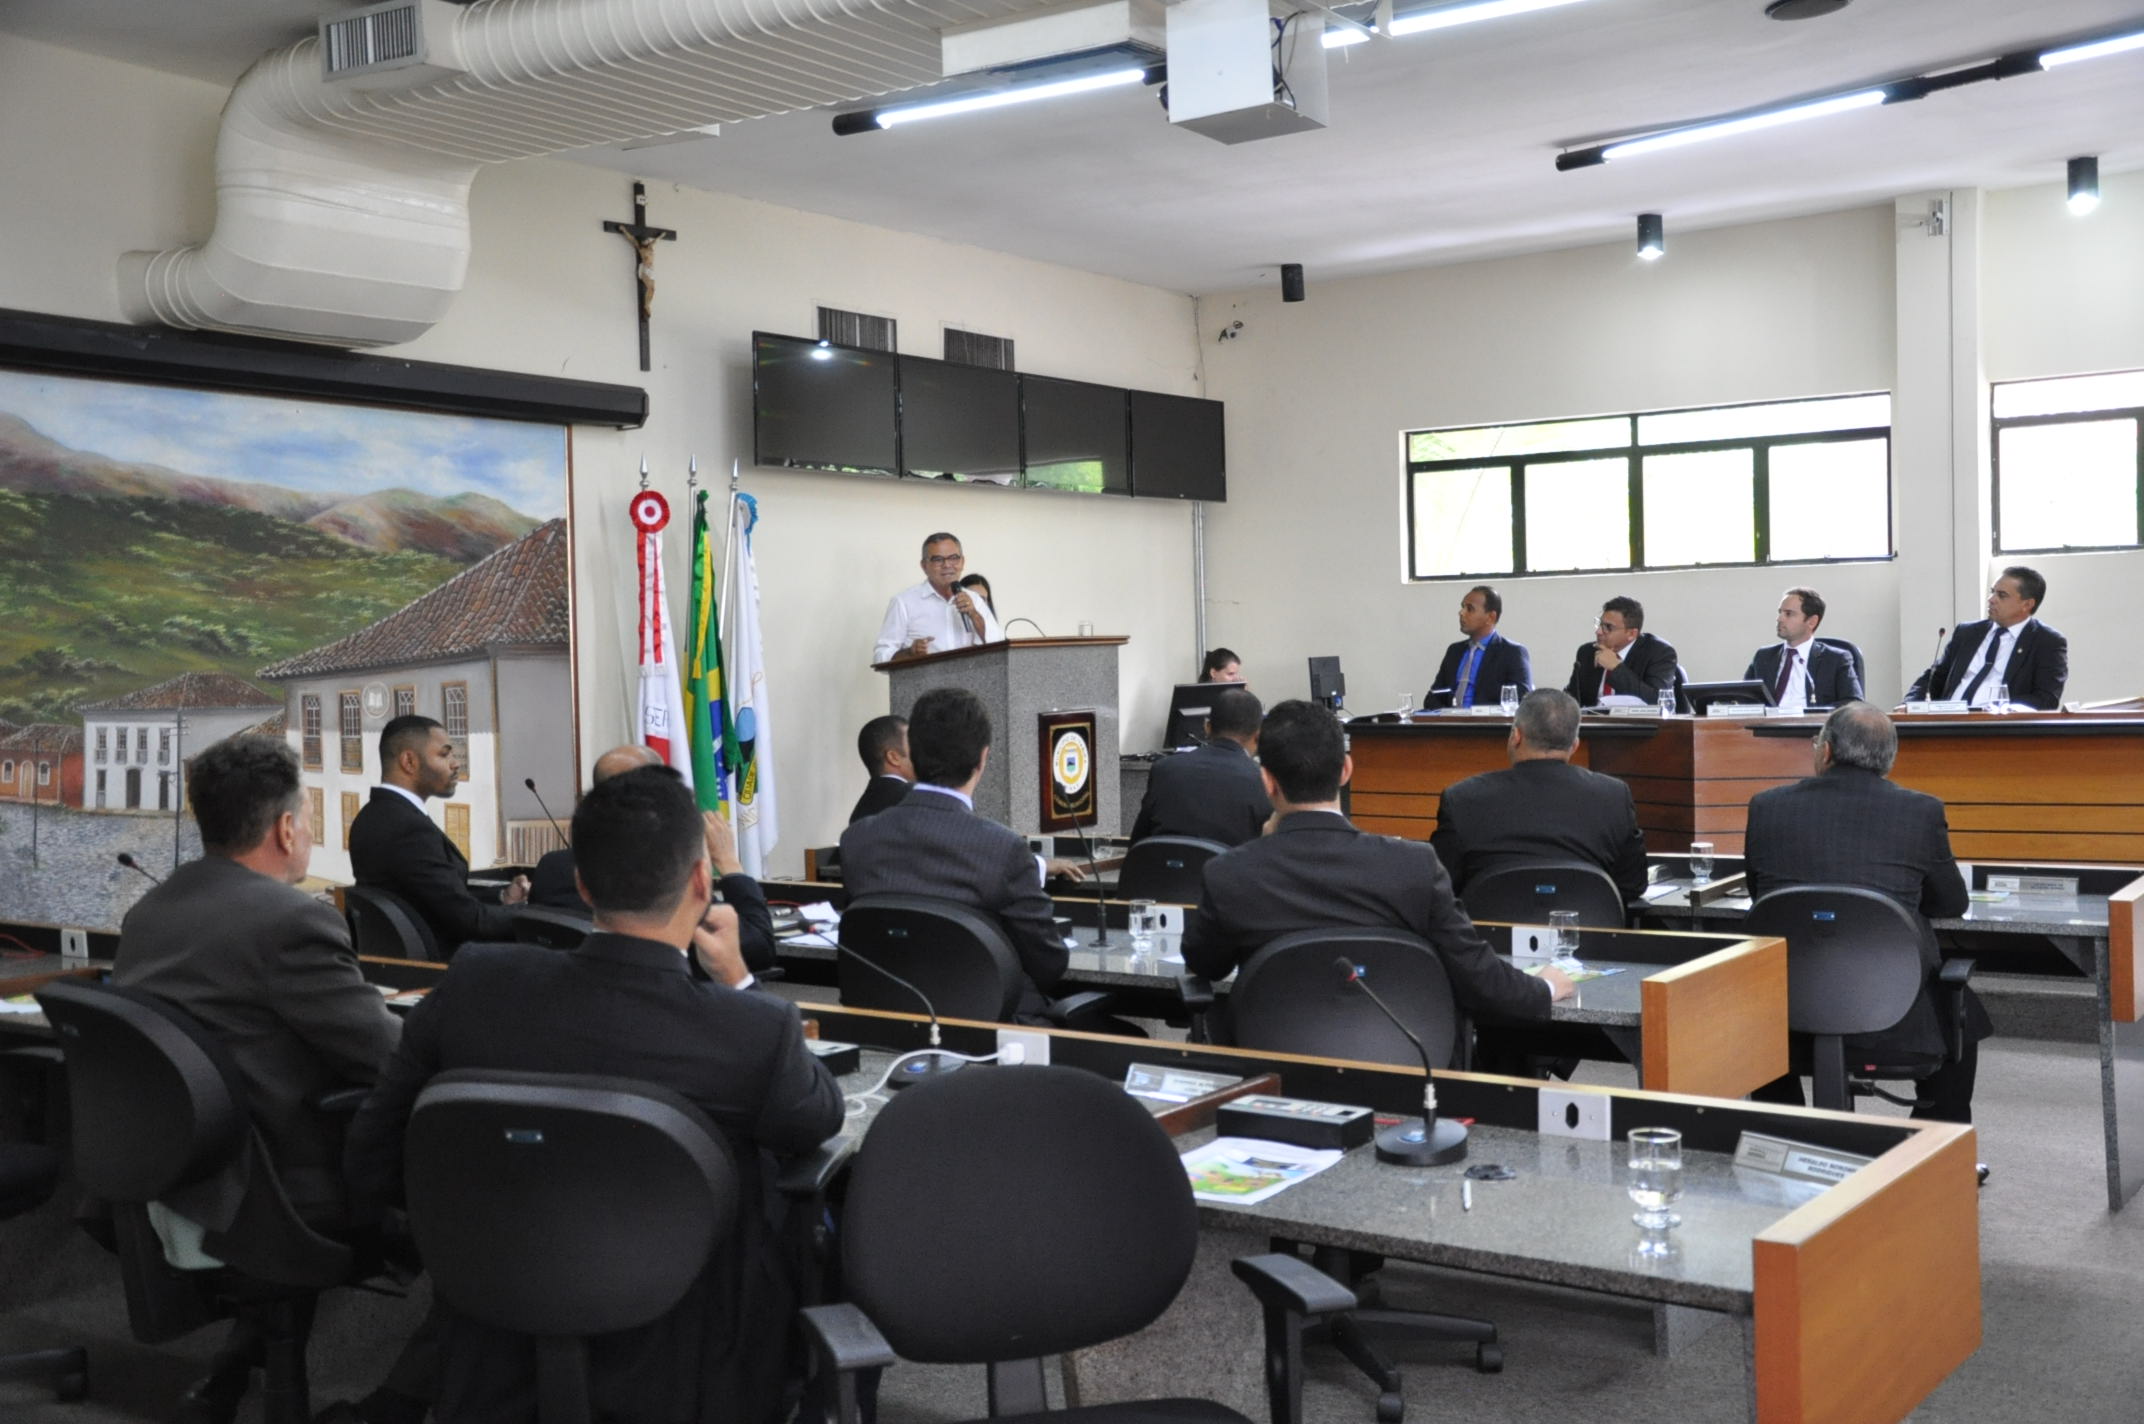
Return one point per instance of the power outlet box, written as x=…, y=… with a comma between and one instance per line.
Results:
x=1574, y=1115
x=1028, y=1049
x=74, y=944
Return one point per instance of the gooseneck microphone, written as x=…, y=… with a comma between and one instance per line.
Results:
x=530, y=783
x=1412, y=1142
x=127, y=859
x=1101, y=891
x=1933, y=692
x=915, y=1070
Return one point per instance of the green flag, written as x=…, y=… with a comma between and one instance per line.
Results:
x=704, y=711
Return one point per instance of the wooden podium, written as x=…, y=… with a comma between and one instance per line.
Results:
x=1018, y=681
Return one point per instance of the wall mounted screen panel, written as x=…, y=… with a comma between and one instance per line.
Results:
x=823, y=407
x=958, y=422
x=1076, y=436
x=1178, y=447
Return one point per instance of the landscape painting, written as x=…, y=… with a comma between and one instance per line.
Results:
x=177, y=565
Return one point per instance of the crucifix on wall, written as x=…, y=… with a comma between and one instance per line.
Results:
x=643, y=239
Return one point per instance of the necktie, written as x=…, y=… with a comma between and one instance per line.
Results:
x=1466, y=676
x=1987, y=665
x=1786, y=677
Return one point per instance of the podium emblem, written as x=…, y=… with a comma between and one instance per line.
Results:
x=1067, y=766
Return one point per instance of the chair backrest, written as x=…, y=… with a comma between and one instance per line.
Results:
x=957, y=955
x=1289, y=997
x=1170, y=868
x=1856, y=959
x=1015, y=1212
x=1524, y=894
x=1852, y=650
x=563, y=1204
x=551, y=929
x=386, y=926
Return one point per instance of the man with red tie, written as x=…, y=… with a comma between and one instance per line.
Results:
x=1623, y=659
x=1801, y=671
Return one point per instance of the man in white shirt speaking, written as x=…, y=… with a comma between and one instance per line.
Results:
x=937, y=615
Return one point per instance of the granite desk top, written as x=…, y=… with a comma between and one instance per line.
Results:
x=2077, y=916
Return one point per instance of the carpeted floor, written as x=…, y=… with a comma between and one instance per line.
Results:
x=2062, y=1283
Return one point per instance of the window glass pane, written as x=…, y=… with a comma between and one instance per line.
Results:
x=1541, y=437
x=1462, y=522
x=1700, y=508
x=1744, y=422
x=2064, y=485
x=1578, y=515
x=1831, y=500
x=2067, y=393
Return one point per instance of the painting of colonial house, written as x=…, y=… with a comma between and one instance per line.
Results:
x=42, y=763
x=138, y=743
x=486, y=654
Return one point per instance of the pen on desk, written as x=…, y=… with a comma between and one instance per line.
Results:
x=1466, y=1195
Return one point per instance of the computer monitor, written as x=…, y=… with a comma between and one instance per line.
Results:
x=1700, y=695
x=1328, y=685
x=1189, y=706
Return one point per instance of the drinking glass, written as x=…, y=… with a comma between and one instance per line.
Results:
x=1406, y=703
x=1144, y=922
x=1086, y=630
x=1655, y=1185
x=1508, y=699
x=1565, y=925
x=1667, y=701
x=1999, y=700
x=1701, y=861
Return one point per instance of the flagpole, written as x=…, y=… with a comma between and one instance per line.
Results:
x=729, y=533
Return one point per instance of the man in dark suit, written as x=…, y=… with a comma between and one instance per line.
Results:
x=883, y=745
x=2010, y=648
x=1801, y=671
x=1622, y=659
x=1542, y=808
x=1481, y=665
x=1850, y=825
x=1213, y=792
x=1315, y=870
x=934, y=844
x=555, y=887
x=270, y=971
x=624, y=1005
x=396, y=846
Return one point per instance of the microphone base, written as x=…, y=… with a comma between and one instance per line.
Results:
x=1405, y=1143
x=922, y=1070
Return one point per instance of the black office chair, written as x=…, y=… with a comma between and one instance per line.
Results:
x=158, y=1115
x=1524, y=894
x=564, y=1206
x=386, y=926
x=1168, y=868
x=1852, y=650
x=958, y=956
x=551, y=929
x=1856, y=962
x=944, y=1264
x=28, y=1174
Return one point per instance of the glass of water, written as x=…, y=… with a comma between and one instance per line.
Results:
x=1145, y=922
x=1508, y=699
x=1564, y=924
x=1999, y=699
x=1701, y=861
x=1655, y=1185
x=1406, y=703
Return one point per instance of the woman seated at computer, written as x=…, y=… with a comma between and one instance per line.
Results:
x=1222, y=666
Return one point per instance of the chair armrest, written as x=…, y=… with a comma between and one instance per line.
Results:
x=1196, y=991
x=1062, y=1011
x=339, y=1102
x=1955, y=974
x=1292, y=1284
x=846, y=1336
x=811, y=1174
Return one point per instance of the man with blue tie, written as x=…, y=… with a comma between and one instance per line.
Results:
x=2010, y=648
x=1481, y=665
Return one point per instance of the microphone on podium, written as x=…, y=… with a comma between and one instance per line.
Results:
x=1413, y=1142
x=127, y=859
x=914, y=1071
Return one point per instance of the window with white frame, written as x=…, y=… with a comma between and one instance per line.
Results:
x=2068, y=463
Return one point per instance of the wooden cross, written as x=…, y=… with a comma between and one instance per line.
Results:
x=643, y=239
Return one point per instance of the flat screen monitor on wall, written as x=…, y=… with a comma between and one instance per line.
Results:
x=959, y=422
x=1076, y=437
x=823, y=407
x=1177, y=448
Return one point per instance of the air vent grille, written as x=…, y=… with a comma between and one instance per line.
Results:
x=972, y=348
x=847, y=328
x=388, y=35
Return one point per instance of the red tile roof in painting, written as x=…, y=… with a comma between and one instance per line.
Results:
x=276, y=726
x=189, y=691
x=44, y=737
x=516, y=597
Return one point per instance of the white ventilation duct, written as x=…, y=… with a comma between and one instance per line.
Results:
x=343, y=210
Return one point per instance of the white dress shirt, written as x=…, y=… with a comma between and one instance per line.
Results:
x=1796, y=696
x=2000, y=673
x=919, y=612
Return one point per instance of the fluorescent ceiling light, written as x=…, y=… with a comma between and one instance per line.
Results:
x=2097, y=49
x=1446, y=16
x=998, y=99
x=1726, y=128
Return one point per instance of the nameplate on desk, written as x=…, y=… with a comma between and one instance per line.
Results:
x=1494, y=709
x=1298, y=1122
x=1787, y=1158
x=2062, y=885
x=1173, y=1085
x=839, y=1058
x=1647, y=710
x=1950, y=708
x=1737, y=709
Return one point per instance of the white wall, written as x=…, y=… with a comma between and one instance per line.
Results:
x=110, y=157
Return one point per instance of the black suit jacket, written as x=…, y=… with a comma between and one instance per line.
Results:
x=1853, y=827
x=1214, y=792
x=1648, y=666
x=930, y=844
x=627, y=1008
x=1540, y=810
x=1317, y=871
x=885, y=790
x=1502, y=661
x=1830, y=672
x=551, y=885
x=397, y=847
x=270, y=971
x=2039, y=665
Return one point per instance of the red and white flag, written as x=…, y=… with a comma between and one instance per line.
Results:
x=662, y=701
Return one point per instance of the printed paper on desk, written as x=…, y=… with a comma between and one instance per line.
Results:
x=824, y=922
x=1246, y=1172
